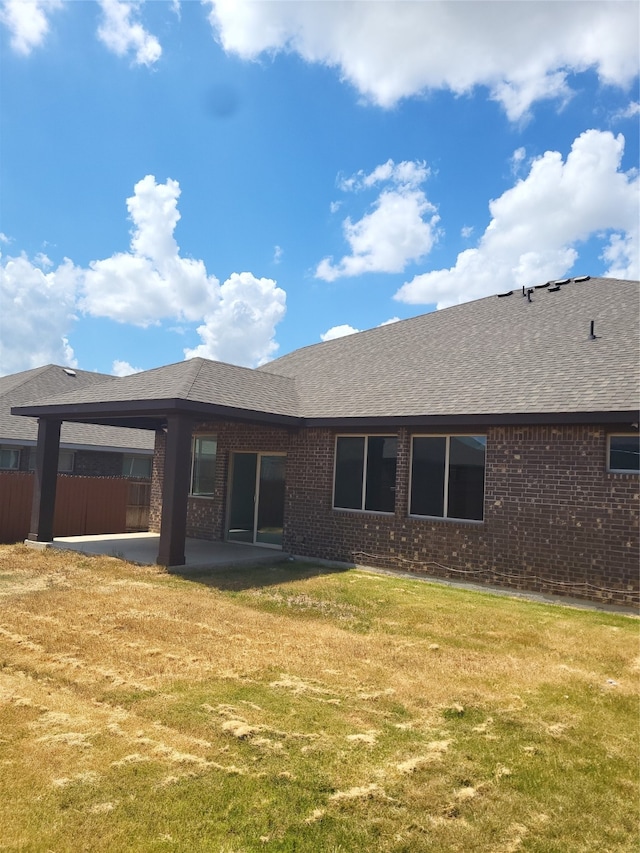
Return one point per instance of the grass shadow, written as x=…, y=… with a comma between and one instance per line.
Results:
x=255, y=576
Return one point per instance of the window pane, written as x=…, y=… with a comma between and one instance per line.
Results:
x=349, y=471
x=427, y=476
x=9, y=459
x=65, y=461
x=138, y=467
x=381, y=473
x=466, y=476
x=204, y=465
x=624, y=453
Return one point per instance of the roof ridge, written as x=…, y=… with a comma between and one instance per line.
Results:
x=189, y=385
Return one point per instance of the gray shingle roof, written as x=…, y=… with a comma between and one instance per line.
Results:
x=41, y=382
x=494, y=356
x=490, y=356
x=197, y=381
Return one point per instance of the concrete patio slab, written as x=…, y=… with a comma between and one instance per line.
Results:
x=142, y=548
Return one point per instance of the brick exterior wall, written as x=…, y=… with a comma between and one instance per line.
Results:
x=555, y=520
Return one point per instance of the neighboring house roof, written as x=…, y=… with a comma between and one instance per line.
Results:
x=511, y=358
x=42, y=382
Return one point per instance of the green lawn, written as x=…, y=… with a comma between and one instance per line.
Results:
x=296, y=708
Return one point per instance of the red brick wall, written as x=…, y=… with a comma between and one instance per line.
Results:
x=555, y=520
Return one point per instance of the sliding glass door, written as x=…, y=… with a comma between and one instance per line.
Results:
x=256, y=505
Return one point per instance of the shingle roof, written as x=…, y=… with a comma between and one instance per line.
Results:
x=490, y=356
x=197, y=381
x=41, y=382
x=514, y=355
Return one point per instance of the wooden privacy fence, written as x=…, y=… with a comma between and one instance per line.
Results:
x=84, y=505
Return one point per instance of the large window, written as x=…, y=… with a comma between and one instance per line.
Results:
x=624, y=453
x=447, y=476
x=203, y=465
x=365, y=476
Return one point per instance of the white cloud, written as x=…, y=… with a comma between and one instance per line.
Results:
x=122, y=34
x=537, y=224
x=4, y=238
x=400, y=229
x=338, y=332
x=27, y=21
x=521, y=52
x=517, y=159
x=38, y=310
x=277, y=254
x=344, y=330
x=149, y=283
x=152, y=281
x=631, y=111
x=123, y=368
x=241, y=330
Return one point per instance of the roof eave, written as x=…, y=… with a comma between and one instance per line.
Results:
x=149, y=414
x=626, y=417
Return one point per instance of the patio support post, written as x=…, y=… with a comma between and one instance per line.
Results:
x=175, y=491
x=45, y=481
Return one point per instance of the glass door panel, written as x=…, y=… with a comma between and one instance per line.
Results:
x=270, y=501
x=243, y=493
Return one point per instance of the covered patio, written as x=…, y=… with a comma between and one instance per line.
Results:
x=170, y=401
x=142, y=548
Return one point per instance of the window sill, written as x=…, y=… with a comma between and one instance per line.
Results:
x=473, y=521
x=363, y=511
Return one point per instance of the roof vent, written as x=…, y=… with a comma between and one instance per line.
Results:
x=592, y=334
x=582, y=278
x=501, y=295
x=540, y=286
x=69, y=371
x=562, y=281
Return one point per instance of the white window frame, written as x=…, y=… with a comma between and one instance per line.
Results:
x=611, y=470
x=445, y=501
x=363, y=489
x=14, y=453
x=194, y=438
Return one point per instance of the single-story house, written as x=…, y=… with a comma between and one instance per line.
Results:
x=493, y=441
x=85, y=449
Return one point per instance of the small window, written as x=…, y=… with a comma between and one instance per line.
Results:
x=137, y=467
x=203, y=465
x=9, y=458
x=365, y=475
x=624, y=453
x=447, y=476
x=65, y=461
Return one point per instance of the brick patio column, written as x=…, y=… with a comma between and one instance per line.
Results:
x=45, y=481
x=175, y=491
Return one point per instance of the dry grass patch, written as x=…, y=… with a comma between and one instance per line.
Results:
x=290, y=707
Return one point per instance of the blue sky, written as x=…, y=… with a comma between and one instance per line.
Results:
x=238, y=179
